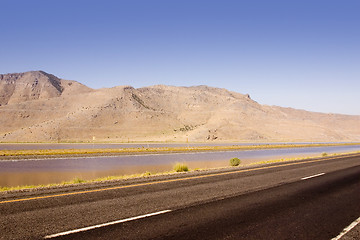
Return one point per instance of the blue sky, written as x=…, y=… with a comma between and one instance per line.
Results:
x=303, y=54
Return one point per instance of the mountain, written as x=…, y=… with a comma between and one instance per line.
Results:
x=35, y=85
x=37, y=106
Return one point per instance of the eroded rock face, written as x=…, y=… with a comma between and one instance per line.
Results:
x=21, y=87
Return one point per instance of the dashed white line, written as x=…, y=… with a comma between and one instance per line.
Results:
x=317, y=175
x=105, y=224
x=347, y=229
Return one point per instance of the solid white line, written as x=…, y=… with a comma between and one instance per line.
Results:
x=347, y=229
x=317, y=175
x=105, y=224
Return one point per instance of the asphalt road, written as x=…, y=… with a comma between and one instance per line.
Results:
x=313, y=199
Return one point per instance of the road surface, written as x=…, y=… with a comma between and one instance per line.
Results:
x=313, y=199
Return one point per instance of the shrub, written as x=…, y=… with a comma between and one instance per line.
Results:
x=78, y=180
x=324, y=154
x=234, y=162
x=181, y=167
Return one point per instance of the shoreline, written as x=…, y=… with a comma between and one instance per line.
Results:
x=77, y=182
x=4, y=154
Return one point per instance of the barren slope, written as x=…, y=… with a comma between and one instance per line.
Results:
x=64, y=110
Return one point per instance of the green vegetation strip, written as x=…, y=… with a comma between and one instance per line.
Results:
x=162, y=149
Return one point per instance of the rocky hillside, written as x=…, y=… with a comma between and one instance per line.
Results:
x=22, y=87
x=36, y=106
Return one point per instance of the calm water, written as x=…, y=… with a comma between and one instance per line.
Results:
x=22, y=172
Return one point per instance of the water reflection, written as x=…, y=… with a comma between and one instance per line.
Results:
x=28, y=172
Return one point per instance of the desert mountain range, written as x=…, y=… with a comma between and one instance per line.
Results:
x=40, y=107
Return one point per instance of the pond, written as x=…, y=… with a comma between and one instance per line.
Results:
x=45, y=171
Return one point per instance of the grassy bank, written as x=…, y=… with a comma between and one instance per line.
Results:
x=162, y=149
x=77, y=180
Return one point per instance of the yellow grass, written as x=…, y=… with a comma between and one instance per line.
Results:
x=161, y=149
x=301, y=158
x=82, y=181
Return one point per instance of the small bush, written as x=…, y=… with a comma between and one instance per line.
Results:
x=78, y=180
x=324, y=154
x=181, y=167
x=234, y=162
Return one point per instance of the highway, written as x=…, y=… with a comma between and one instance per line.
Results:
x=311, y=199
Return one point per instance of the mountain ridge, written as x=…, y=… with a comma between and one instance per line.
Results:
x=155, y=113
x=33, y=85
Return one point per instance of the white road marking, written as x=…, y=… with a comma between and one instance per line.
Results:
x=317, y=175
x=347, y=229
x=105, y=224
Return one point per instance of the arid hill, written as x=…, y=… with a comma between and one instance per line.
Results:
x=23, y=87
x=37, y=106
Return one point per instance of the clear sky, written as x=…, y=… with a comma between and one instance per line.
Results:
x=294, y=53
